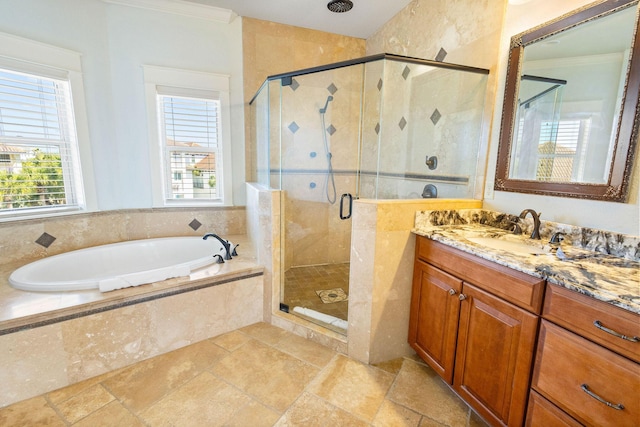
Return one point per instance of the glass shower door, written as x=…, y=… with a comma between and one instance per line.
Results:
x=319, y=143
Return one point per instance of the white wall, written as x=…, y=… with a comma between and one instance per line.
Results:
x=115, y=42
x=618, y=217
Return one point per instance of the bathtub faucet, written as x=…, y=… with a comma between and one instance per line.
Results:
x=225, y=243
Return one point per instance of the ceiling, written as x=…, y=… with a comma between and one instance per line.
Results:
x=366, y=17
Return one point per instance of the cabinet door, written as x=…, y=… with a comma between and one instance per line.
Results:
x=494, y=355
x=434, y=316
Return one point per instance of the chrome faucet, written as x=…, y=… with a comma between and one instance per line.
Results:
x=225, y=243
x=535, y=233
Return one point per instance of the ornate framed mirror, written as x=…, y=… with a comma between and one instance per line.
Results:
x=570, y=116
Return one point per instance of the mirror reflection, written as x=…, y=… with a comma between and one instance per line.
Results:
x=569, y=101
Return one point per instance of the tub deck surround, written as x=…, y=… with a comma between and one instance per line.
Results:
x=24, y=310
x=610, y=277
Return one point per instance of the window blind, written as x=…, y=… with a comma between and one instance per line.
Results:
x=37, y=142
x=192, y=148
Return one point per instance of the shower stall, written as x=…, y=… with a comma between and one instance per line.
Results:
x=379, y=127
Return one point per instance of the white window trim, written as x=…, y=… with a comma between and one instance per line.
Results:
x=196, y=80
x=33, y=57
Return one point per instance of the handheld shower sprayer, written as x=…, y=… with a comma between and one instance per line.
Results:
x=326, y=104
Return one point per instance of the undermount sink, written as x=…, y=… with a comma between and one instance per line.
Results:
x=507, y=245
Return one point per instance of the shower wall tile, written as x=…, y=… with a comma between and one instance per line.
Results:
x=361, y=279
x=469, y=31
x=17, y=239
x=42, y=359
x=381, y=272
x=270, y=48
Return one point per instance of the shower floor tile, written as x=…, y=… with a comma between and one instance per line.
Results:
x=301, y=284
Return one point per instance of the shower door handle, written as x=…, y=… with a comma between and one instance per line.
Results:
x=348, y=214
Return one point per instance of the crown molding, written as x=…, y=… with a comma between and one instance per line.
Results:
x=180, y=7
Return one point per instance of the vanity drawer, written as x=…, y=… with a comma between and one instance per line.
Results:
x=579, y=313
x=518, y=288
x=541, y=412
x=569, y=366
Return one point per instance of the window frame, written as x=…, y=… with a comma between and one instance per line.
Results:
x=189, y=84
x=26, y=56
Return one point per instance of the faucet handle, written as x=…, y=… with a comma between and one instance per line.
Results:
x=233, y=251
x=557, y=237
x=515, y=227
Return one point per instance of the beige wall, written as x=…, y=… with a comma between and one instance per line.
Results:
x=270, y=48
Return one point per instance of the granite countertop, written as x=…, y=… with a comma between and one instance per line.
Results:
x=603, y=276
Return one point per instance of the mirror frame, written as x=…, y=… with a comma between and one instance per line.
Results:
x=616, y=188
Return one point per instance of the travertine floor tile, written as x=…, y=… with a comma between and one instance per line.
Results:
x=203, y=401
x=230, y=341
x=476, y=421
x=113, y=414
x=419, y=388
x=353, y=386
x=84, y=403
x=255, y=415
x=275, y=378
x=391, y=366
x=65, y=393
x=31, y=412
x=148, y=381
x=265, y=332
x=394, y=415
x=311, y=411
x=309, y=351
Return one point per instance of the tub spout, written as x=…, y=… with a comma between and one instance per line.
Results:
x=225, y=243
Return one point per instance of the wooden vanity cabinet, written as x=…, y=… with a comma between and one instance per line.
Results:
x=581, y=370
x=475, y=322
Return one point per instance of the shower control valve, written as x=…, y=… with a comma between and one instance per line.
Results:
x=431, y=162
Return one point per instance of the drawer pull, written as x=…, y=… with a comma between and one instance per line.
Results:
x=462, y=297
x=585, y=388
x=598, y=324
x=452, y=291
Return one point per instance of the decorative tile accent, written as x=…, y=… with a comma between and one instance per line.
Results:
x=45, y=240
x=435, y=117
x=380, y=84
x=331, y=129
x=377, y=128
x=294, y=84
x=195, y=224
x=293, y=127
x=441, y=54
x=405, y=72
x=402, y=123
x=332, y=88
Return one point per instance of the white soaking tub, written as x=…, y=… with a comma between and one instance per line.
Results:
x=118, y=265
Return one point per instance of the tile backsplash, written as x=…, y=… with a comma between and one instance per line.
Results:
x=23, y=240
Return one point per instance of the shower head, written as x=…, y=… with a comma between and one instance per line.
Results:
x=326, y=104
x=339, y=6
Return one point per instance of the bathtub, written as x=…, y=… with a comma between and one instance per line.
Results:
x=117, y=265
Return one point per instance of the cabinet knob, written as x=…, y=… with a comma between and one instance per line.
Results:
x=462, y=297
x=452, y=291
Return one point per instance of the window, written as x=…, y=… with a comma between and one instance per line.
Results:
x=189, y=123
x=38, y=143
x=190, y=129
x=561, y=150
